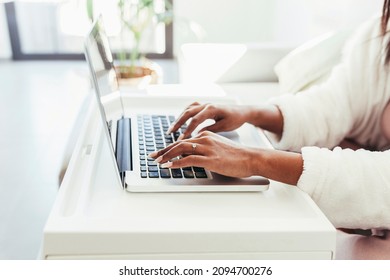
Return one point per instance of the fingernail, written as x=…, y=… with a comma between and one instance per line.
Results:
x=181, y=137
x=169, y=131
x=153, y=154
x=166, y=165
x=158, y=159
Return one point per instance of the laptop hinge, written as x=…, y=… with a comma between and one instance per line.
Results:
x=124, y=147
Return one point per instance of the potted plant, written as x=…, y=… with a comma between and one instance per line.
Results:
x=135, y=17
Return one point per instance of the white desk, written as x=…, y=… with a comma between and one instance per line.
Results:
x=93, y=219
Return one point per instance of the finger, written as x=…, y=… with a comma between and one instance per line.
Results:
x=216, y=127
x=203, y=115
x=189, y=112
x=193, y=104
x=192, y=160
x=182, y=149
x=156, y=154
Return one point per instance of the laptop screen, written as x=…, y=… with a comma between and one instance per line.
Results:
x=101, y=60
x=101, y=65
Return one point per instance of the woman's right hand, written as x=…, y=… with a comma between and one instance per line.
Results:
x=226, y=118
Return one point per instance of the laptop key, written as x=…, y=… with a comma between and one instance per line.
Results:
x=199, y=174
x=198, y=169
x=164, y=173
x=153, y=168
x=143, y=169
x=144, y=175
x=176, y=135
x=154, y=175
x=188, y=174
x=165, y=127
x=176, y=173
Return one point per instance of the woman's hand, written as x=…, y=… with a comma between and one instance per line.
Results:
x=223, y=156
x=211, y=151
x=226, y=118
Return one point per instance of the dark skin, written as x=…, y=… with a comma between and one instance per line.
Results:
x=212, y=149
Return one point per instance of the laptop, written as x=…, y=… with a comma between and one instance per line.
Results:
x=134, y=135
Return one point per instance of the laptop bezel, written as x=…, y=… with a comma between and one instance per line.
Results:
x=92, y=35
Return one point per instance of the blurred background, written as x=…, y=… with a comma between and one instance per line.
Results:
x=44, y=84
x=57, y=26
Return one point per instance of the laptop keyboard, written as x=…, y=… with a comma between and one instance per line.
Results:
x=152, y=136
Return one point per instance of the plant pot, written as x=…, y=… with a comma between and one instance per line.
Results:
x=139, y=76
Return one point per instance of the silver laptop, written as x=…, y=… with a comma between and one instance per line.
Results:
x=133, y=135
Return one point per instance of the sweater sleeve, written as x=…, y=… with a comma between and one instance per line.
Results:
x=325, y=114
x=320, y=116
x=351, y=187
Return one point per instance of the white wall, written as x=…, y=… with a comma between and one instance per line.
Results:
x=5, y=48
x=243, y=21
x=299, y=20
x=222, y=21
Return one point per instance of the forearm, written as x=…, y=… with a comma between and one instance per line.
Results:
x=267, y=117
x=352, y=188
x=285, y=167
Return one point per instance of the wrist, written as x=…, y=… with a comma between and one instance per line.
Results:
x=256, y=159
x=282, y=166
x=251, y=114
x=267, y=117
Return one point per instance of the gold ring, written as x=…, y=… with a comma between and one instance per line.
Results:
x=193, y=148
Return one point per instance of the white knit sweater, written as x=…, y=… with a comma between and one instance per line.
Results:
x=351, y=187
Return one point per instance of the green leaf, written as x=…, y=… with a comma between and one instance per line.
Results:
x=90, y=10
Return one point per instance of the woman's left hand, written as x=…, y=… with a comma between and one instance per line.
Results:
x=211, y=151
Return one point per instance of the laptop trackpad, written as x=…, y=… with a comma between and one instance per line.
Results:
x=232, y=135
